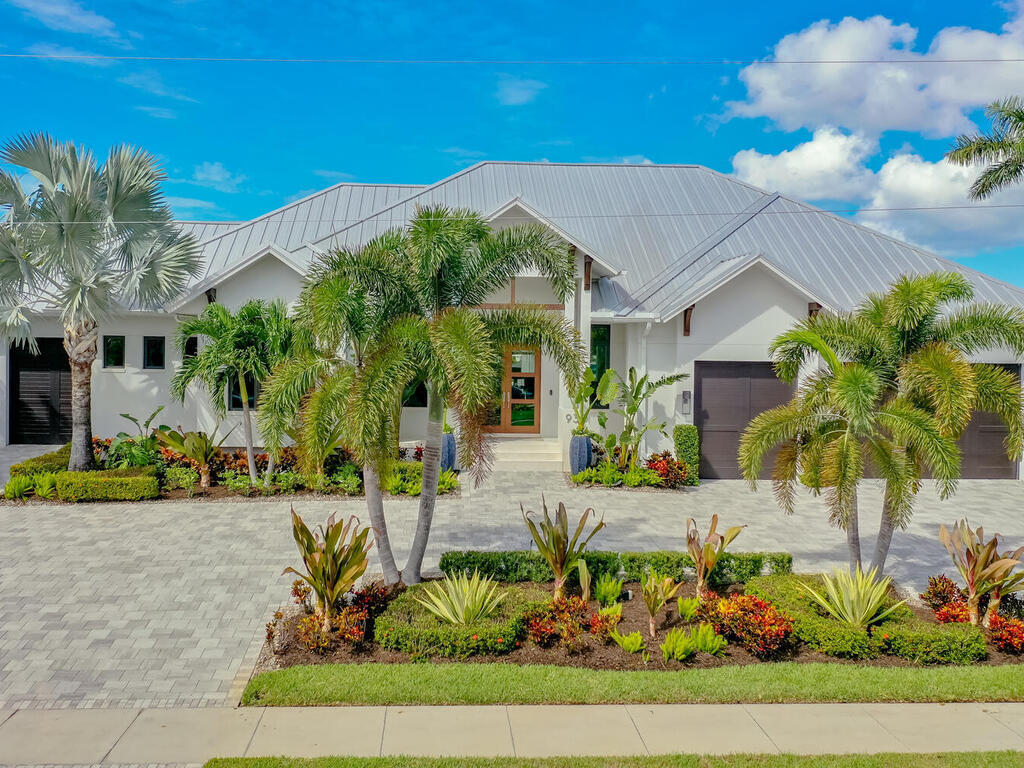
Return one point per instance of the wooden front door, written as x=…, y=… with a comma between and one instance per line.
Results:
x=517, y=405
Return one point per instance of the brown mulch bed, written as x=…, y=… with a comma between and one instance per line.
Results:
x=596, y=655
x=214, y=493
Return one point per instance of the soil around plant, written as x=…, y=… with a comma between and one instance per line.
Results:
x=285, y=651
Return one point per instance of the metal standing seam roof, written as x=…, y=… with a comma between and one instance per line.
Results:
x=667, y=229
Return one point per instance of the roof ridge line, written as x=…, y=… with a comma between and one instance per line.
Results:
x=713, y=240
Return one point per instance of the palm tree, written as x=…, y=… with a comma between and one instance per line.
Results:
x=239, y=348
x=86, y=242
x=354, y=354
x=630, y=394
x=896, y=388
x=1002, y=150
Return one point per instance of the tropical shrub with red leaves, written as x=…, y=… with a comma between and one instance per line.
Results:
x=1007, y=634
x=602, y=624
x=564, y=620
x=942, y=591
x=542, y=630
x=671, y=472
x=372, y=598
x=953, y=613
x=752, y=622
x=347, y=625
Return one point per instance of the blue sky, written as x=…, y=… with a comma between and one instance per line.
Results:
x=239, y=139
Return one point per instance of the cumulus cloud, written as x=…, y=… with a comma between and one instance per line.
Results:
x=67, y=16
x=516, y=91
x=932, y=98
x=829, y=166
x=187, y=205
x=216, y=176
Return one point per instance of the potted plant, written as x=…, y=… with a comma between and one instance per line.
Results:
x=584, y=397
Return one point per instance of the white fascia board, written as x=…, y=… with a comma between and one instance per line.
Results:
x=214, y=280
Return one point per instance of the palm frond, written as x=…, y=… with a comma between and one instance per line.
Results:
x=999, y=391
x=944, y=379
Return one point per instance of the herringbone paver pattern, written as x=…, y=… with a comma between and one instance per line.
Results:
x=135, y=605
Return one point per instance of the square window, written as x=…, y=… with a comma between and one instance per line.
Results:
x=113, y=351
x=153, y=351
x=191, y=346
x=235, y=394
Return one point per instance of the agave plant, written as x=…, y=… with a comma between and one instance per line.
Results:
x=334, y=557
x=857, y=599
x=199, y=447
x=705, y=555
x=657, y=591
x=554, y=544
x=981, y=566
x=462, y=599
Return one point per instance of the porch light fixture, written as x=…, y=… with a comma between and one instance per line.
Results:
x=684, y=402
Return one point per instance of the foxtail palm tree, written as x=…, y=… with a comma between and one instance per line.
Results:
x=894, y=391
x=236, y=348
x=1001, y=151
x=87, y=241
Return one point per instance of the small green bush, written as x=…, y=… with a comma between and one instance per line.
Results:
x=238, y=482
x=687, y=445
x=347, y=480
x=127, y=484
x=903, y=635
x=45, y=484
x=528, y=565
x=180, y=477
x=407, y=626
x=18, y=487
x=55, y=461
x=289, y=481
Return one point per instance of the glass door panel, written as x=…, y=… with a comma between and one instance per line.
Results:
x=517, y=402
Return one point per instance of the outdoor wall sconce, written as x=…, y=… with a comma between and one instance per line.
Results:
x=684, y=402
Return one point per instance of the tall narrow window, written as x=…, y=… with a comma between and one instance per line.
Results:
x=153, y=352
x=191, y=346
x=600, y=352
x=235, y=393
x=113, y=351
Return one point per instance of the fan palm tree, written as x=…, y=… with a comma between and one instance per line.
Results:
x=1002, y=150
x=354, y=354
x=895, y=390
x=89, y=240
x=240, y=349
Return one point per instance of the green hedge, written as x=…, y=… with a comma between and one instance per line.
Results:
x=55, y=461
x=129, y=484
x=409, y=627
x=519, y=566
x=687, y=444
x=903, y=635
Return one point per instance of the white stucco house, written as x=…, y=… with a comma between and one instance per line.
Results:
x=678, y=267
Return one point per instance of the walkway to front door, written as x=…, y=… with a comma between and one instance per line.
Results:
x=519, y=406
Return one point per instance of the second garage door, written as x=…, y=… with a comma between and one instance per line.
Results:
x=727, y=395
x=983, y=455
x=40, y=394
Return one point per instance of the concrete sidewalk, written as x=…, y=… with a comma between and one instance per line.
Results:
x=191, y=736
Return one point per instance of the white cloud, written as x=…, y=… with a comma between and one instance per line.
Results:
x=67, y=16
x=463, y=152
x=65, y=53
x=516, y=91
x=191, y=204
x=161, y=113
x=151, y=82
x=335, y=176
x=216, y=176
x=829, y=166
x=619, y=160
x=932, y=98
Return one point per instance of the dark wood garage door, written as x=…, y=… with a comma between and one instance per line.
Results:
x=40, y=394
x=726, y=397
x=983, y=455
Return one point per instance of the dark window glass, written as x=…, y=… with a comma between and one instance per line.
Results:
x=153, y=351
x=600, y=353
x=191, y=346
x=235, y=394
x=113, y=351
x=415, y=396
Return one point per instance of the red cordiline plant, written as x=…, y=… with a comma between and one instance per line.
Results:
x=980, y=565
x=554, y=543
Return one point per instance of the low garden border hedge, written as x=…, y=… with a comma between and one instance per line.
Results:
x=529, y=565
x=55, y=461
x=903, y=635
x=129, y=484
x=408, y=626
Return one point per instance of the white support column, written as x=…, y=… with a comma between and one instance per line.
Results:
x=576, y=312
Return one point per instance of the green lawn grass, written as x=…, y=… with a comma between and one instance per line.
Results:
x=498, y=683
x=959, y=760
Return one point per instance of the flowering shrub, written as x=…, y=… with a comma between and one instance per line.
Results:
x=953, y=613
x=1007, y=634
x=752, y=622
x=671, y=472
x=942, y=591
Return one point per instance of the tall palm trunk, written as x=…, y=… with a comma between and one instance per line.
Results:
x=853, y=535
x=80, y=344
x=268, y=477
x=428, y=492
x=885, y=531
x=247, y=427
x=379, y=524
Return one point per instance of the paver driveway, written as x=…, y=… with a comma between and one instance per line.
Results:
x=159, y=604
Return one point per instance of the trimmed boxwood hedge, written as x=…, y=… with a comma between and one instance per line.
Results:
x=686, y=440
x=903, y=635
x=55, y=461
x=409, y=627
x=528, y=565
x=129, y=484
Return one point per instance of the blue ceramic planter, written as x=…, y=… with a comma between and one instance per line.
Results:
x=580, y=453
x=447, y=451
